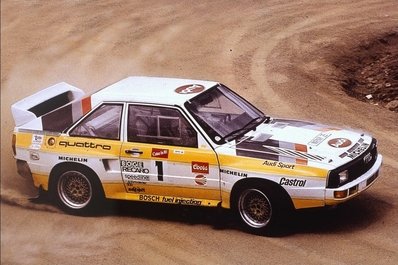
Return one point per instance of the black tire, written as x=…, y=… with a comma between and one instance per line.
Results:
x=77, y=190
x=260, y=210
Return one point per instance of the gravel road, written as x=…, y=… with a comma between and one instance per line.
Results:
x=278, y=54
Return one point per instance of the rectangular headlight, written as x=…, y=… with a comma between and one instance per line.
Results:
x=343, y=176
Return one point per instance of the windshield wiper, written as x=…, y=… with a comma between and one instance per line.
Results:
x=248, y=127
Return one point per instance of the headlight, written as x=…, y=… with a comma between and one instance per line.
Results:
x=343, y=176
x=338, y=177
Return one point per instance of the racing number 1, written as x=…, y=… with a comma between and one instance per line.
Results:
x=159, y=165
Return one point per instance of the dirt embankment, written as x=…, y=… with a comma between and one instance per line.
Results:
x=370, y=71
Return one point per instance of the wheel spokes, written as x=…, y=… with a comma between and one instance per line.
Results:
x=255, y=208
x=74, y=189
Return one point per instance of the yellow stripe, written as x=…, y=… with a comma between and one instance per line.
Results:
x=117, y=191
x=298, y=203
x=72, y=145
x=115, y=188
x=307, y=203
x=185, y=155
x=257, y=165
x=23, y=140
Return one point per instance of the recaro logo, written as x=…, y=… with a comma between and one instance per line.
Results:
x=339, y=142
x=200, y=167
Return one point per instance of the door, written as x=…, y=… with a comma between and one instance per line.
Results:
x=164, y=159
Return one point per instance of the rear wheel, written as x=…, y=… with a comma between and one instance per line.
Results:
x=77, y=191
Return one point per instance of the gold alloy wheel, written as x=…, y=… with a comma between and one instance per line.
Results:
x=255, y=208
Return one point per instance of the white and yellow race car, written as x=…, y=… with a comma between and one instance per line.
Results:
x=186, y=142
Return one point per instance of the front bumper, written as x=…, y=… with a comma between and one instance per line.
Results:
x=353, y=188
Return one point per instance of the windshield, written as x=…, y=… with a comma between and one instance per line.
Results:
x=223, y=114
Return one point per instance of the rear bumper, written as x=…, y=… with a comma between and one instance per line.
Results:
x=23, y=169
x=353, y=188
x=39, y=181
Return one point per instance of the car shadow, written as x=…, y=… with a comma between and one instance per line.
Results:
x=217, y=218
x=356, y=214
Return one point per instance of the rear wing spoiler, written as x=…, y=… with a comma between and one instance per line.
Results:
x=53, y=108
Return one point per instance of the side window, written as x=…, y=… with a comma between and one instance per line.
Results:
x=159, y=125
x=104, y=123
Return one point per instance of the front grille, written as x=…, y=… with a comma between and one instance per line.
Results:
x=356, y=168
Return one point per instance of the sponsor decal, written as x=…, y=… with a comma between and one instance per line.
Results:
x=200, y=167
x=355, y=151
x=201, y=180
x=339, y=142
x=136, y=189
x=149, y=198
x=319, y=139
x=190, y=89
x=131, y=179
x=85, y=145
x=278, y=164
x=179, y=152
x=233, y=173
x=292, y=182
x=168, y=199
x=72, y=159
x=133, y=166
x=165, y=199
x=134, y=172
x=37, y=141
x=187, y=201
x=162, y=153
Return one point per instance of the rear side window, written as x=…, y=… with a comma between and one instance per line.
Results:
x=159, y=125
x=104, y=122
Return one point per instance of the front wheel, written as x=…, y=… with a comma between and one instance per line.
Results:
x=255, y=208
x=259, y=210
x=77, y=191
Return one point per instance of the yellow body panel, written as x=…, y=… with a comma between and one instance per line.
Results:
x=60, y=145
x=40, y=181
x=307, y=203
x=117, y=191
x=262, y=166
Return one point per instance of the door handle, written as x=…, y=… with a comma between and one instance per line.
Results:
x=133, y=151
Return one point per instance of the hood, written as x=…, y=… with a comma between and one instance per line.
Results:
x=302, y=142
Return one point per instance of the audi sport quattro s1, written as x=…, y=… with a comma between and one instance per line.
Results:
x=187, y=142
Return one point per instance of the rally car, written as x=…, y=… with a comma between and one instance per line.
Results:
x=187, y=142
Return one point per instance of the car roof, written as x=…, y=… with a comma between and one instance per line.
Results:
x=158, y=90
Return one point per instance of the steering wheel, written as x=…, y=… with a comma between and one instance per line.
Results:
x=89, y=129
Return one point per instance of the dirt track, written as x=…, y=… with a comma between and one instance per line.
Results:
x=278, y=54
